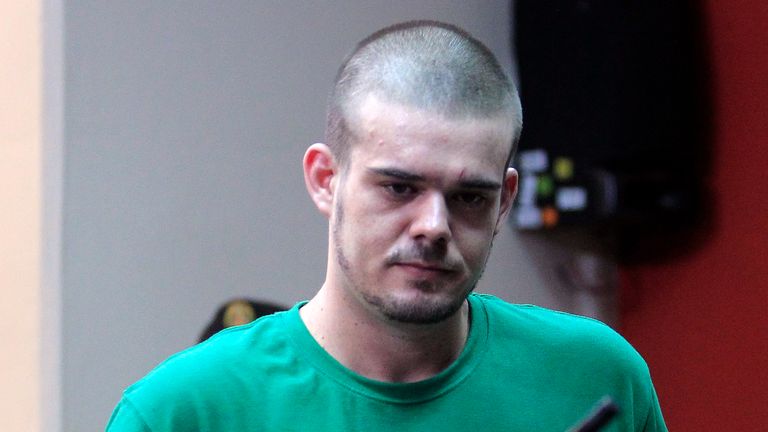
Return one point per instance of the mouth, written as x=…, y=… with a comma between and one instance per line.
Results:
x=421, y=269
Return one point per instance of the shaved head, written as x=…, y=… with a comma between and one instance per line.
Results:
x=428, y=65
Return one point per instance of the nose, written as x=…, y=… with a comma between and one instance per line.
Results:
x=431, y=220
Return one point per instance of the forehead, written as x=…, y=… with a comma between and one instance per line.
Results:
x=391, y=133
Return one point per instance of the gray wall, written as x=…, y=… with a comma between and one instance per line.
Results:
x=184, y=128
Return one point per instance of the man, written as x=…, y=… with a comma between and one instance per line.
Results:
x=414, y=180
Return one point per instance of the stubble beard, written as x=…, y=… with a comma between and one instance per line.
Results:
x=426, y=309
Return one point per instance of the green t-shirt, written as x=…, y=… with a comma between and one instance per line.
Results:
x=523, y=368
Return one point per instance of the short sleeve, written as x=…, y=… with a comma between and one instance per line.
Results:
x=125, y=418
x=654, y=421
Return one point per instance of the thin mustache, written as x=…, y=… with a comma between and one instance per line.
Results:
x=427, y=257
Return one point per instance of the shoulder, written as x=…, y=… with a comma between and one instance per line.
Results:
x=561, y=335
x=207, y=370
x=574, y=355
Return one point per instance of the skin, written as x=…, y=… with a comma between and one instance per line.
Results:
x=412, y=216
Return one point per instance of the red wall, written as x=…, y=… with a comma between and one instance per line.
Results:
x=701, y=321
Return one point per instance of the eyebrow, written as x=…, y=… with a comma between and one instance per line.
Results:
x=469, y=183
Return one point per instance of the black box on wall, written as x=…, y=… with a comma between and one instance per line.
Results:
x=616, y=119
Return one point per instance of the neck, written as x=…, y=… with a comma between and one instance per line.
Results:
x=378, y=348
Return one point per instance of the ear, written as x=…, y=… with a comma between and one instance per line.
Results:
x=319, y=172
x=508, y=193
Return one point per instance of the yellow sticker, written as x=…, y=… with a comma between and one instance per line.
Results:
x=563, y=168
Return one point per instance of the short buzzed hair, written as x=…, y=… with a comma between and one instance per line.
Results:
x=428, y=65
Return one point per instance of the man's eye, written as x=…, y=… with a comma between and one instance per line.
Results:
x=400, y=188
x=470, y=199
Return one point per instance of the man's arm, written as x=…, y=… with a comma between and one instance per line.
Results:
x=655, y=421
x=126, y=418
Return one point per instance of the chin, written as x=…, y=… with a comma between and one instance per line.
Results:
x=423, y=307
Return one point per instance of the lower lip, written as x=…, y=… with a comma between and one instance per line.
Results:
x=424, y=272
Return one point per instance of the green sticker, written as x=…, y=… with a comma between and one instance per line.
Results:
x=545, y=186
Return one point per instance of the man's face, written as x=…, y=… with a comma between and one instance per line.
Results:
x=416, y=209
